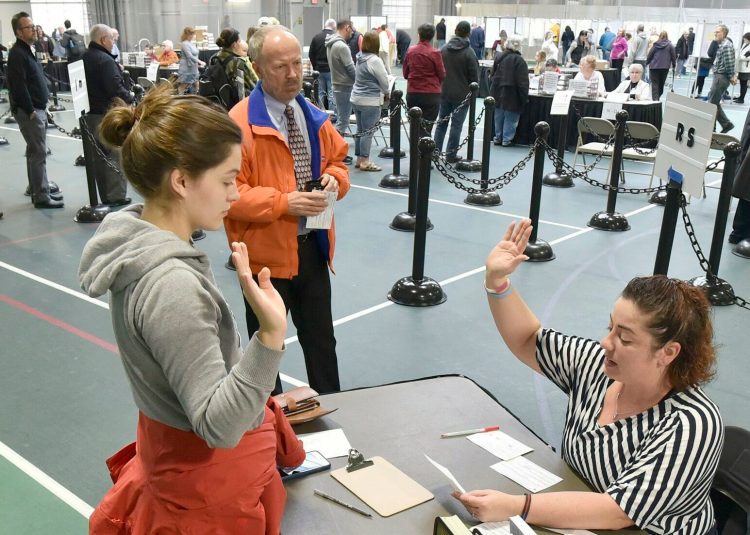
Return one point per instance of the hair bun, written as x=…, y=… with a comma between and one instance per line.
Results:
x=117, y=124
x=219, y=42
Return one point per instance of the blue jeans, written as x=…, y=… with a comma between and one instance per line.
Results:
x=439, y=43
x=325, y=90
x=342, y=94
x=457, y=123
x=366, y=116
x=506, y=123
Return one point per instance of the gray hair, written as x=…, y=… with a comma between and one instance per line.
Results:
x=723, y=28
x=255, y=46
x=330, y=24
x=636, y=66
x=168, y=44
x=98, y=31
x=513, y=43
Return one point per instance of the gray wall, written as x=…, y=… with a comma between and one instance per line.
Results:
x=9, y=8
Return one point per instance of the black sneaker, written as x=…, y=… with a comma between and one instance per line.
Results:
x=53, y=188
x=727, y=128
x=734, y=239
x=348, y=160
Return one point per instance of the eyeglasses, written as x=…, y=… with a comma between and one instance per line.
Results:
x=27, y=27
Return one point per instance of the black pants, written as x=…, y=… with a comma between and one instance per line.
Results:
x=658, y=79
x=741, y=223
x=617, y=64
x=699, y=84
x=429, y=103
x=308, y=297
x=743, y=86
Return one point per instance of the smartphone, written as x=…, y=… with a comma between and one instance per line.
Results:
x=314, y=462
x=313, y=185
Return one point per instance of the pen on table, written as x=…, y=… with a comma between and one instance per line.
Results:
x=470, y=431
x=339, y=502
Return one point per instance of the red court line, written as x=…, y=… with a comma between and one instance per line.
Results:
x=59, y=323
x=39, y=236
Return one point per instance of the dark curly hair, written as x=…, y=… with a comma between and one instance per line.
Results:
x=676, y=311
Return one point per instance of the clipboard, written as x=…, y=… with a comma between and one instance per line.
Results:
x=383, y=487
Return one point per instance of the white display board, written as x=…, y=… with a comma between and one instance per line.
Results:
x=78, y=89
x=360, y=24
x=561, y=103
x=685, y=141
x=491, y=30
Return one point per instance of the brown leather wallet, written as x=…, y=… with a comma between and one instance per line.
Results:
x=300, y=406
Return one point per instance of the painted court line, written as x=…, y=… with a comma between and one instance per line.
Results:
x=48, y=135
x=466, y=206
x=46, y=481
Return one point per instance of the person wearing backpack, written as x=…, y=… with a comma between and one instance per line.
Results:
x=73, y=43
x=236, y=71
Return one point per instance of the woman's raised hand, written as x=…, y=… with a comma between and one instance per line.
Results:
x=508, y=254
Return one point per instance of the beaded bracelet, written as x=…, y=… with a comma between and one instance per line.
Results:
x=501, y=291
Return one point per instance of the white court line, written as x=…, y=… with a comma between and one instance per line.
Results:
x=48, y=135
x=46, y=481
x=466, y=206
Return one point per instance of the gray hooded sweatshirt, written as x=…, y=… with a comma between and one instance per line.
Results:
x=340, y=61
x=178, y=340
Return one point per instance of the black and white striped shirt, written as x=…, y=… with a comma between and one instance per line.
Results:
x=657, y=465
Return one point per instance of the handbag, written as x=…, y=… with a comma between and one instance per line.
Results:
x=299, y=405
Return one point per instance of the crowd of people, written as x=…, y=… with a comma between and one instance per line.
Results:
x=205, y=411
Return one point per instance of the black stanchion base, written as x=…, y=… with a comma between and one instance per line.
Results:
x=407, y=222
x=50, y=125
x=742, y=249
x=613, y=222
x=555, y=180
x=659, y=197
x=392, y=181
x=229, y=264
x=4, y=141
x=80, y=161
x=539, y=251
x=718, y=291
x=471, y=166
x=489, y=198
x=423, y=293
x=387, y=152
x=56, y=107
x=76, y=131
x=10, y=120
x=198, y=235
x=92, y=214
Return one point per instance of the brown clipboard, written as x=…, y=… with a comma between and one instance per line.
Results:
x=383, y=487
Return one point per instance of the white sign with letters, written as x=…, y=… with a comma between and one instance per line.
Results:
x=685, y=141
x=78, y=89
x=561, y=103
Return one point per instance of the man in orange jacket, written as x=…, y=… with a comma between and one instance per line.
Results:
x=287, y=142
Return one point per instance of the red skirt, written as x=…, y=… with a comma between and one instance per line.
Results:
x=170, y=481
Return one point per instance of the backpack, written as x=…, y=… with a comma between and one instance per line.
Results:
x=76, y=45
x=216, y=85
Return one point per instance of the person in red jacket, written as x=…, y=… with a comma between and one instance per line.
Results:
x=286, y=143
x=424, y=71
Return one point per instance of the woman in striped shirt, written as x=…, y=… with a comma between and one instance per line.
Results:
x=638, y=427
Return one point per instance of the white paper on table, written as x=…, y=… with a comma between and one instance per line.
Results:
x=580, y=88
x=618, y=97
x=610, y=109
x=527, y=474
x=492, y=528
x=323, y=220
x=500, y=445
x=561, y=103
x=331, y=443
x=447, y=473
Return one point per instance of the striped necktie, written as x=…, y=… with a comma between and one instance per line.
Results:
x=302, y=169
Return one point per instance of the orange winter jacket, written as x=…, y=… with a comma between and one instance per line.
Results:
x=260, y=218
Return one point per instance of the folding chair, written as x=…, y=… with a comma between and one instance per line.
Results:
x=596, y=126
x=640, y=132
x=718, y=142
x=730, y=490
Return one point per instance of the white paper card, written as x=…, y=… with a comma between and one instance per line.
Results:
x=447, y=473
x=323, y=220
x=500, y=445
x=527, y=474
x=561, y=103
x=492, y=528
x=549, y=83
x=618, y=97
x=331, y=443
x=580, y=88
x=519, y=527
x=152, y=71
x=610, y=109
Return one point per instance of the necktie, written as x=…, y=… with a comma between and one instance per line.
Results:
x=302, y=170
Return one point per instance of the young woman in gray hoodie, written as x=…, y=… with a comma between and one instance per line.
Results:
x=204, y=408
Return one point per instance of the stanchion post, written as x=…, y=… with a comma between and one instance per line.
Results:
x=668, y=223
x=719, y=291
x=558, y=178
x=407, y=221
x=418, y=290
x=316, y=88
x=93, y=212
x=307, y=89
x=394, y=179
x=387, y=152
x=55, y=106
x=609, y=219
x=470, y=164
x=538, y=250
x=484, y=197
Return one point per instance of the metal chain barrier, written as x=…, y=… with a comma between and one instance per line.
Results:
x=494, y=184
x=582, y=120
x=60, y=129
x=702, y=260
x=374, y=128
x=441, y=120
x=639, y=148
x=95, y=145
x=552, y=154
x=463, y=143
